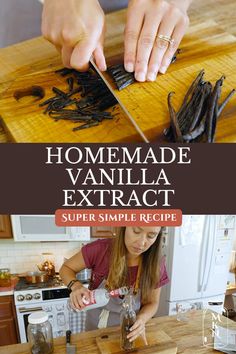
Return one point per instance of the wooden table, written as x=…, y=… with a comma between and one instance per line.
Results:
x=34, y=55
x=187, y=335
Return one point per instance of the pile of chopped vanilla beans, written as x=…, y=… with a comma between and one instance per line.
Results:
x=122, y=78
x=85, y=101
x=197, y=117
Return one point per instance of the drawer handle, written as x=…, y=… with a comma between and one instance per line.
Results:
x=33, y=309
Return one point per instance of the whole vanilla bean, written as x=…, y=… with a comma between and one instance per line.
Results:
x=211, y=117
x=174, y=121
x=224, y=103
x=197, y=117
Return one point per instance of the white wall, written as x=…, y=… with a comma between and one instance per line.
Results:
x=22, y=257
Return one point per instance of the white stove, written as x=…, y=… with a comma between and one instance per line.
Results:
x=52, y=298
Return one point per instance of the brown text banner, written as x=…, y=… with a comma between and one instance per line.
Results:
x=42, y=178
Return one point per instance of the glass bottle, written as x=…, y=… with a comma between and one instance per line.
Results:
x=5, y=277
x=100, y=297
x=39, y=333
x=127, y=319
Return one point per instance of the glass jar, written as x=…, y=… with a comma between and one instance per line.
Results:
x=39, y=333
x=127, y=319
x=5, y=277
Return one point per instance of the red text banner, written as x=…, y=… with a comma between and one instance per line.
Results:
x=119, y=217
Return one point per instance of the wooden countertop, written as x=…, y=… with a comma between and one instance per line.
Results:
x=187, y=335
x=231, y=289
x=34, y=55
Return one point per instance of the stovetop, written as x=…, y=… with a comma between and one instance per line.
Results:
x=54, y=282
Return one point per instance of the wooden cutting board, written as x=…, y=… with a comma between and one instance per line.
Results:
x=158, y=342
x=204, y=46
x=26, y=121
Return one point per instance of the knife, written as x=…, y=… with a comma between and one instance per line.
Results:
x=70, y=349
x=120, y=103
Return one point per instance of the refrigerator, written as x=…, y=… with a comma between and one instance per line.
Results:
x=197, y=260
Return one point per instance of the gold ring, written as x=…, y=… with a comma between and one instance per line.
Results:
x=166, y=39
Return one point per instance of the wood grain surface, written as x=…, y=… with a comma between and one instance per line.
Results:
x=210, y=43
x=187, y=335
x=26, y=122
x=158, y=343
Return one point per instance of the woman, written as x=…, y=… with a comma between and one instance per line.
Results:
x=153, y=32
x=132, y=259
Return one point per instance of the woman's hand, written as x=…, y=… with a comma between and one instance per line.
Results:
x=145, y=53
x=138, y=329
x=77, y=29
x=79, y=292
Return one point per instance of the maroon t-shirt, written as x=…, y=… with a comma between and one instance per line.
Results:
x=97, y=257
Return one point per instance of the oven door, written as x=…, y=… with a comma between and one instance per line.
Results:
x=58, y=316
x=22, y=318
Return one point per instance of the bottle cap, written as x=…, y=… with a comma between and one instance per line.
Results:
x=38, y=317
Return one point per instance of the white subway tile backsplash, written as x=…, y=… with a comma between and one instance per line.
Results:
x=22, y=257
x=5, y=259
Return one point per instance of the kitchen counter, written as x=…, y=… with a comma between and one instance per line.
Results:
x=187, y=335
x=215, y=18
x=9, y=290
x=6, y=293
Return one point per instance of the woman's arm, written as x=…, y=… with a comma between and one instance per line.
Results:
x=71, y=267
x=146, y=313
x=68, y=273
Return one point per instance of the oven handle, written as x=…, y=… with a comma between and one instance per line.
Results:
x=32, y=309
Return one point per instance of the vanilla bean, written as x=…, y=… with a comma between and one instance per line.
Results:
x=201, y=108
x=198, y=113
x=212, y=111
x=122, y=78
x=74, y=91
x=224, y=103
x=174, y=121
x=199, y=130
x=64, y=71
x=187, y=116
x=70, y=82
x=59, y=92
x=85, y=126
x=190, y=91
x=48, y=101
x=96, y=98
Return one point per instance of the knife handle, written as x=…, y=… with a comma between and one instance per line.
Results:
x=68, y=335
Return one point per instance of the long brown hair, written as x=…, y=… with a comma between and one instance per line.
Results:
x=150, y=272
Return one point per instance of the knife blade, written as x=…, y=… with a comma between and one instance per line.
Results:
x=70, y=349
x=120, y=103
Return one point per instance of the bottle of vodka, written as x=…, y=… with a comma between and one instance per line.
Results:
x=100, y=297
